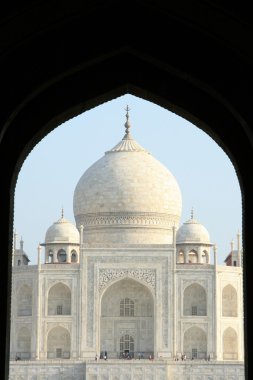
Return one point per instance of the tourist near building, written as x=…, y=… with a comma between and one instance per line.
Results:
x=128, y=281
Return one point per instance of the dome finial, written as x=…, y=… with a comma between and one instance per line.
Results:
x=192, y=213
x=127, y=124
x=62, y=213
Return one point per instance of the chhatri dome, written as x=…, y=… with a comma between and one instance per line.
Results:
x=62, y=231
x=192, y=232
x=127, y=197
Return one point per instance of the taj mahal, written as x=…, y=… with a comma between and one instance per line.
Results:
x=128, y=292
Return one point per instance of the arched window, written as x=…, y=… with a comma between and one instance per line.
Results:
x=62, y=256
x=229, y=301
x=195, y=300
x=73, y=256
x=205, y=257
x=126, y=307
x=193, y=257
x=180, y=257
x=59, y=300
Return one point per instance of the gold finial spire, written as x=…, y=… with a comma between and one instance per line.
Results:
x=127, y=124
x=192, y=213
x=62, y=213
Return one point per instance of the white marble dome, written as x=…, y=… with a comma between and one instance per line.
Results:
x=62, y=231
x=127, y=196
x=192, y=232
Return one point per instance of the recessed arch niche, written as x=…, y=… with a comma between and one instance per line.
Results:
x=127, y=318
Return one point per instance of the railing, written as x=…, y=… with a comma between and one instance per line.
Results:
x=63, y=355
x=22, y=356
x=127, y=355
x=189, y=356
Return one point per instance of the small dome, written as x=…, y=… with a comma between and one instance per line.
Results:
x=62, y=231
x=192, y=232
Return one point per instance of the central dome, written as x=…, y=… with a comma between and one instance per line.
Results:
x=127, y=197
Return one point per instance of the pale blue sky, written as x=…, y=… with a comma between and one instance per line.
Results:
x=203, y=171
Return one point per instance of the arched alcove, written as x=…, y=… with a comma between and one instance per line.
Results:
x=74, y=256
x=195, y=300
x=205, y=257
x=193, y=256
x=127, y=319
x=61, y=256
x=230, y=344
x=59, y=300
x=58, y=343
x=229, y=301
x=195, y=343
x=180, y=257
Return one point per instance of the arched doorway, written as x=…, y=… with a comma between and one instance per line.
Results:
x=58, y=343
x=230, y=344
x=195, y=343
x=127, y=319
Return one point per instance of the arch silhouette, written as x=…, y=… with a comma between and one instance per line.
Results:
x=41, y=93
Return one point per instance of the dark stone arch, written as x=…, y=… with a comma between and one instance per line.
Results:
x=196, y=62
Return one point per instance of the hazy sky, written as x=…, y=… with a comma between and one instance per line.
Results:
x=203, y=171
